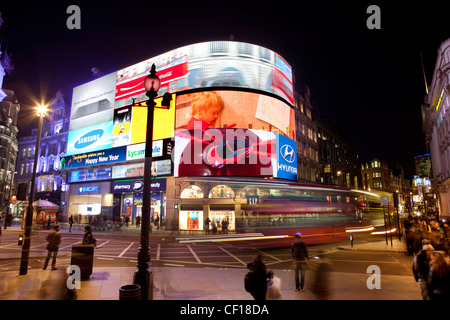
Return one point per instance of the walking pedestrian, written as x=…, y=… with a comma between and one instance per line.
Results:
x=88, y=237
x=439, y=278
x=255, y=281
x=421, y=268
x=138, y=221
x=53, y=239
x=299, y=252
x=70, y=223
x=207, y=222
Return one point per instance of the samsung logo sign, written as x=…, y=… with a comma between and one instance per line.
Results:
x=89, y=138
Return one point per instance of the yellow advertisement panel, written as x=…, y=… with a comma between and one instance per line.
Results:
x=163, y=122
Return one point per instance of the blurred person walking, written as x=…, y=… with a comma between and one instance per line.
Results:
x=299, y=252
x=421, y=268
x=70, y=223
x=439, y=278
x=53, y=239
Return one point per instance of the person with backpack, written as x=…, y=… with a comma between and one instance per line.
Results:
x=53, y=239
x=299, y=252
x=255, y=281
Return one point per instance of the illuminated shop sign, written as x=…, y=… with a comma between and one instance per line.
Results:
x=95, y=158
x=124, y=186
x=83, y=189
x=234, y=152
x=137, y=151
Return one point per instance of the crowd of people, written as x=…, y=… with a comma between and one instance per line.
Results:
x=429, y=243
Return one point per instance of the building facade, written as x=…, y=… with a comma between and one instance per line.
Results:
x=50, y=180
x=308, y=153
x=436, y=125
x=378, y=177
x=9, y=110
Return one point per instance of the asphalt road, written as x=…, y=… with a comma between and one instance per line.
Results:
x=121, y=251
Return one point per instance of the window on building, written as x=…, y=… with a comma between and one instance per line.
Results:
x=221, y=191
x=192, y=191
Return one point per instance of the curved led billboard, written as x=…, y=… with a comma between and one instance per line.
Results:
x=222, y=84
x=209, y=64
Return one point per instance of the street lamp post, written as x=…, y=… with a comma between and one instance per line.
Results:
x=29, y=215
x=143, y=276
x=9, y=198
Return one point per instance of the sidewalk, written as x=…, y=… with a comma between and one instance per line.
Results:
x=208, y=283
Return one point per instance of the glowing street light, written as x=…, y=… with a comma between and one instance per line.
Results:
x=41, y=111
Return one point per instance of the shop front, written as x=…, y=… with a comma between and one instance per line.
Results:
x=207, y=201
x=128, y=198
x=89, y=202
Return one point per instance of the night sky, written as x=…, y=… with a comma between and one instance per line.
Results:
x=369, y=81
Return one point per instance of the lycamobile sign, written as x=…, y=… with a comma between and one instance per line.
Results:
x=137, y=151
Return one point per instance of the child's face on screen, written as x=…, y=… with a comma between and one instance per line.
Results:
x=210, y=115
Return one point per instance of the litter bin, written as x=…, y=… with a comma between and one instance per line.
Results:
x=130, y=292
x=83, y=257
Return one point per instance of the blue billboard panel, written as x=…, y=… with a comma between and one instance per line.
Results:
x=89, y=139
x=286, y=158
x=95, y=158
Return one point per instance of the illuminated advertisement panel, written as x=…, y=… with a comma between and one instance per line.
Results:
x=235, y=109
x=234, y=152
x=209, y=64
x=163, y=121
x=91, y=116
x=95, y=158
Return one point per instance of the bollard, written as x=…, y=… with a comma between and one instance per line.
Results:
x=130, y=292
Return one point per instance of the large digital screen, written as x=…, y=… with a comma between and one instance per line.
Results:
x=234, y=109
x=209, y=64
x=234, y=152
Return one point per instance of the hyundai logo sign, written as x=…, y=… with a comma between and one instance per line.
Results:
x=287, y=153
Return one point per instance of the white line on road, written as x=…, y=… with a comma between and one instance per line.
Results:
x=70, y=245
x=103, y=244
x=193, y=253
x=158, y=251
x=123, y=252
x=244, y=263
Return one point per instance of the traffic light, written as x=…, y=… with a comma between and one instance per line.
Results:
x=20, y=241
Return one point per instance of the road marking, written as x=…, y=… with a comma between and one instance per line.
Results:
x=70, y=245
x=123, y=252
x=269, y=255
x=174, y=265
x=103, y=244
x=158, y=251
x=244, y=263
x=194, y=254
